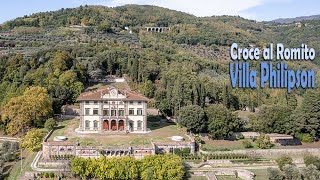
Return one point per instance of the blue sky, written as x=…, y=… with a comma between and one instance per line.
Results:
x=252, y=9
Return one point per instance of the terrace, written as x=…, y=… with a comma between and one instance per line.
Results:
x=161, y=131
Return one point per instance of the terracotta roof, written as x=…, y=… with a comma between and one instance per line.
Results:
x=97, y=95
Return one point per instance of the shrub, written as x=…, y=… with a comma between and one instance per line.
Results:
x=304, y=137
x=198, y=139
x=264, y=142
x=275, y=174
x=46, y=175
x=50, y=124
x=241, y=136
x=52, y=175
x=247, y=144
x=32, y=140
x=310, y=159
x=177, y=151
x=283, y=160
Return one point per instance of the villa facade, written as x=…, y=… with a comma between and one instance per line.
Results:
x=112, y=110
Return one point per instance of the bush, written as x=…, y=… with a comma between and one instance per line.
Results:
x=32, y=140
x=198, y=139
x=50, y=124
x=247, y=144
x=292, y=172
x=264, y=142
x=310, y=159
x=241, y=136
x=275, y=174
x=283, y=160
x=304, y=137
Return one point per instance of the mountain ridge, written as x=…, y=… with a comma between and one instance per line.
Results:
x=296, y=19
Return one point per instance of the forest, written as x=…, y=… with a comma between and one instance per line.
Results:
x=49, y=58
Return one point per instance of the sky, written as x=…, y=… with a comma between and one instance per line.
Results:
x=260, y=10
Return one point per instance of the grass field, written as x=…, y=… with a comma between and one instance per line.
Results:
x=227, y=178
x=161, y=131
x=228, y=145
x=260, y=174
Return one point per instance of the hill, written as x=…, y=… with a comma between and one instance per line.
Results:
x=183, y=66
x=297, y=19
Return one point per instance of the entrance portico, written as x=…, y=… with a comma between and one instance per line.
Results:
x=114, y=125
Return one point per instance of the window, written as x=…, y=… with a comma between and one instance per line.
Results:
x=131, y=111
x=139, y=112
x=87, y=102
x=139, y=125
x=87, y=111
x=106, y=112
x=113, y=112
x=95, y=124
x=87, y=124
x=95, y=111
x=131, y=125
x=121, y=102
x=95, y=102
x=130, y=102
x=139, y=102
x=106, y=102
x=121, y=112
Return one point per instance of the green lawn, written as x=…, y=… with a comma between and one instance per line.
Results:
x=260, y=174
x=227, y=177
x=161, y=131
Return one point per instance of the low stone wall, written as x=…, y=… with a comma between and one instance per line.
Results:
x=270, y=152
x=224, y=163
x=241, y=173
x=45, y=139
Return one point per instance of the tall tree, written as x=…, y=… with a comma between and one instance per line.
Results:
x=193, y=118
x=311, y=112
x=221, y=122
x=272, y=119
x=30, y=109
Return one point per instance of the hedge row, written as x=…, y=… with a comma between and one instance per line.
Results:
x=62, y=157
x=215, y=156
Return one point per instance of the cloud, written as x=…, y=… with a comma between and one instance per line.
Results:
x=198, y=8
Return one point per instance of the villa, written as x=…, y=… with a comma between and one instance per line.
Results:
x=112, y=110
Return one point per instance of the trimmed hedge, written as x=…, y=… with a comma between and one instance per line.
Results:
x=215, y=156
x=62, y=157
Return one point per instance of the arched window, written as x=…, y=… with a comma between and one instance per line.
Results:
x=87, y=124
x=131, y=125
x=139, y=125
x=95, y=124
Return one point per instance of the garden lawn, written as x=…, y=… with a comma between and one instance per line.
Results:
x=161, y=131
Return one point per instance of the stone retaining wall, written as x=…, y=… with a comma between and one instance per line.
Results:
x=269, y=152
